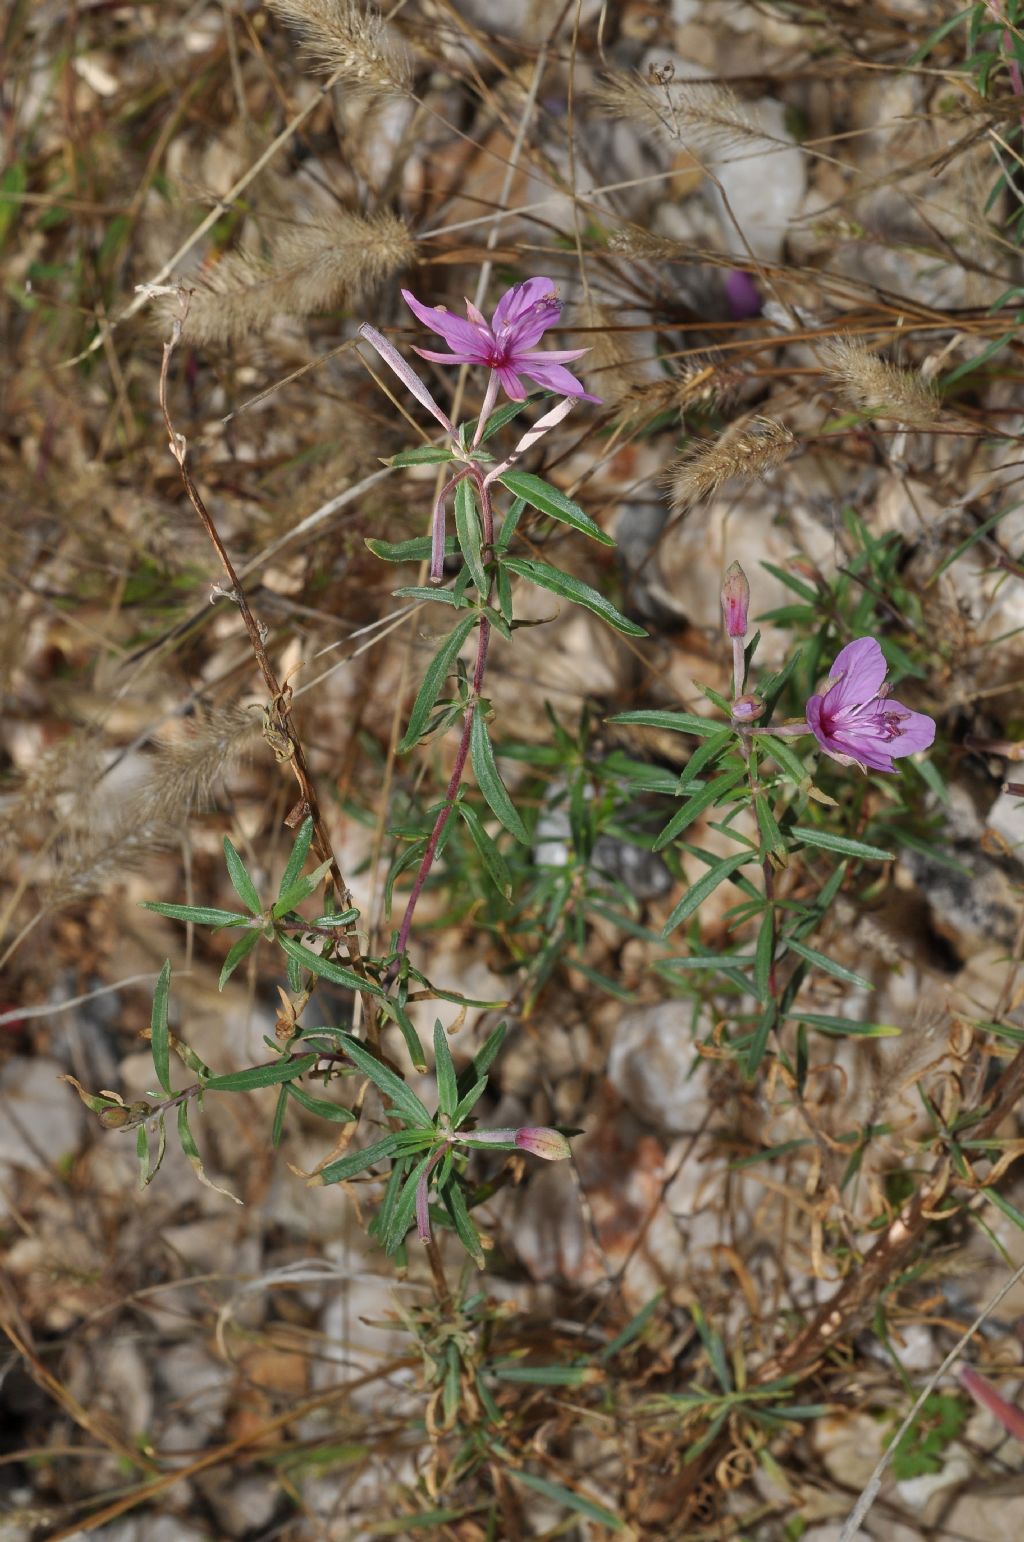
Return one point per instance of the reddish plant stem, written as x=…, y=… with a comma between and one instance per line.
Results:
x=462, y=753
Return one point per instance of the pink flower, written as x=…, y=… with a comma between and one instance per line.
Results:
x=854, y=719
x=505, y=344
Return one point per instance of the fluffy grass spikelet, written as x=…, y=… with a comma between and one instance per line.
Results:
x=748, y=449
x=875, y=386
x=309, y=269
x=701, y=115
x=344, y=38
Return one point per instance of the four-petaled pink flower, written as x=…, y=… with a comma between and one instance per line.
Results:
x=854, y=718
x=505, y=344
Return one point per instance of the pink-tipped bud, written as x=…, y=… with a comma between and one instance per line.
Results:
x=735, y=600
x=540, y=1141
x=746, y=708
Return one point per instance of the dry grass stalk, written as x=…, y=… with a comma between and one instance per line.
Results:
x=344, y=38
x=748, y=449
x=702, y=115
x=310, y=268
x=874, y=385
x=633, y=241
x=701, y=383
x=106, y=836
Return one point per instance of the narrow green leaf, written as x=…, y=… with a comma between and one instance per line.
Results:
x=840, y=844
x=544, y=1375
x=437, y=673
x=300, y=889
x=633, y=1328
x=323, y=1108
x=444, y=1070
x=780, y=752
x=466, y=1104
x=493, y=861
x=674, y=722
x=406, y=1104
x=829, y=965
x=280, y=1109
x=509, y=525
x=569, y=1498
x=485, y=1055
x=771, y=835
x=764, y=954
x=708, y=751
x=395, y=1009
x=713, y=792
x=326, y=968
x=844, y=1027
x=284, y=1070
x=541, y=495
x=241, y=949
x=489, y=781
x=202, y=915
x=468, y=1235
x=470, y=536
x=573, y=589
x=158, y=1026
x=241, y=882
x=299, y=853
x=428, y=592
x=696, y=896
x=416, y=550
x=405, y=1208
x=358, y=1161
x=422, y=455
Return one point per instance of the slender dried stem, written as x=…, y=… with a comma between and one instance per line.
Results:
x=279, y=730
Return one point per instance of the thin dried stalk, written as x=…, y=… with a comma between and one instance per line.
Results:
x=344, y=38
x=311, y=268
x=749, y=449
x=701, y=383
x=701, y=115
x=874, y=385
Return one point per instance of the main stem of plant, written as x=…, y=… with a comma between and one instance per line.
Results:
x=462, y=753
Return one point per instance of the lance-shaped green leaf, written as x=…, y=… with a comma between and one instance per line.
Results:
x=242, y=883
x=541, y=495
x=674, y=722
x=415, y=550
x=713, y=792
x=844, y=1027
x=470, y=536
x=405, y=1207
x=283, y=1070
x=574, y=589
x=694, y=897
x=839, y=843
x=300, y=889
x=489, y=781
x=158, y=1027
x=493, y=861
x=323, y=1108
x=299, y=853
x=202, y=915
x=405, y=1102
x=358, y=1161
x=433, y=680
x=444, y=1070
x=422, y=455
x=455, y=1202
x=572, y=1501
x=239, y=949
x=828, y=965
x=326, y=968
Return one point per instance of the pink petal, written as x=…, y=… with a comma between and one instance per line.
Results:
x=511, y=384
x=458, y=334
x=516, y=306
x=862, y=667
x=554, y=378
x=447, y=358
x=555, y=355
x=917, y=730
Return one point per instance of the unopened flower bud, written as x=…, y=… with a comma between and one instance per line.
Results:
x=540, y=1141
x=735, y=601
x=746, y=708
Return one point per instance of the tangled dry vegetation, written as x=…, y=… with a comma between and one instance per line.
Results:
x=788, y=233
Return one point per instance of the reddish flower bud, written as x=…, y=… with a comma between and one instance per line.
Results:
x=735, y=601
x=540, y=1141
x=746, y=708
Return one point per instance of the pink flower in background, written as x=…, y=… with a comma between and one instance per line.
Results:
x=854, y=719
x=505, y=344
